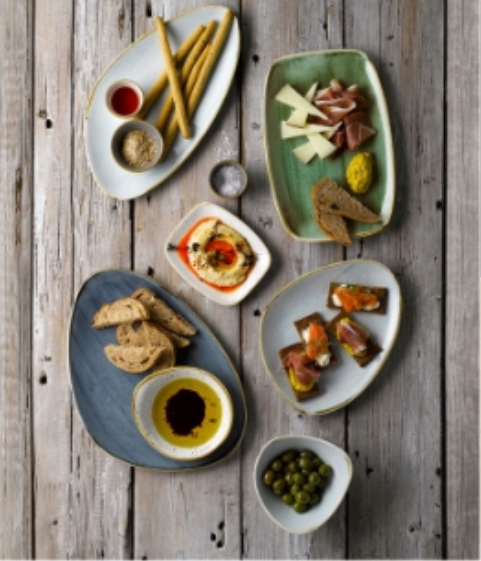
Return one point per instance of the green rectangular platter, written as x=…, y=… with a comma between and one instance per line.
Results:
x=290, y=180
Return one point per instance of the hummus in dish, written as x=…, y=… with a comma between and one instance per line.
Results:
x=219, y=254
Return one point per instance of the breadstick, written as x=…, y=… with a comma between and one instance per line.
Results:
x=195, y=95
x=173, y=78
x=189, y=64
x=162, y=80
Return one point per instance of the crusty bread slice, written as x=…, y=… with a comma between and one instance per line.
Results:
x=299, y=395
x=163, y=314
x=334, y=226
x=120, y=311
x=134, y=359
x=329, y=197
x=145, y=333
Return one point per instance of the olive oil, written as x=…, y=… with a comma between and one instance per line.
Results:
x=187, y=413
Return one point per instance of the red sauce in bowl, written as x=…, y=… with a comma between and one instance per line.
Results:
x=125, y=101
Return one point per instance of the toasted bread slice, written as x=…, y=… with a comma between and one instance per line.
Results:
x=140, y=333
x=120, y=311
x=380, y=292
x=334, y=226
x=299, y=395
x=133, y=359
x=372, y=348
x=328, y=197
x=302, y=324
x=163, y=314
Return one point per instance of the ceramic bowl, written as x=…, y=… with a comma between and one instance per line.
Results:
x=122, y=131
x=332, y=496
x=181, y=378
x=228, y=179
x=115, y=87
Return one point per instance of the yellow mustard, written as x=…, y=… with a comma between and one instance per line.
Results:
x=359, y=172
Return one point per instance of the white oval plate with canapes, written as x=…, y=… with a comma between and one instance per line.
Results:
x=142, y=63
x=259, y=269
x=342, y=382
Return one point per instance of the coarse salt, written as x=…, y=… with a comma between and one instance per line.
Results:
x=227, y=180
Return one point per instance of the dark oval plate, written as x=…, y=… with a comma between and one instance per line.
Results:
x=103, y=393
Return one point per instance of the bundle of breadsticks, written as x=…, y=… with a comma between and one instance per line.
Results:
x=186, y=72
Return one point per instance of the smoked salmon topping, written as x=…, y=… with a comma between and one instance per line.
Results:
x=316, y=341
x=355, y=298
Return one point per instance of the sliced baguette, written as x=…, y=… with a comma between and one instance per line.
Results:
x=120, y=311
x=328, y=197
x=163, y=314
x=142, y=333
x=134, y=359
x=380, y=292
x=372, y=347
x=299, y=395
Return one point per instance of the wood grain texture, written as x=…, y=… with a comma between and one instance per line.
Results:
x=204, y=507
x=270, y=31
x=462, y=268
x=101, y=517
x=396, y=481
x=16, y=194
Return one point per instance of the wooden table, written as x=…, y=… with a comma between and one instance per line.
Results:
x=412, y=436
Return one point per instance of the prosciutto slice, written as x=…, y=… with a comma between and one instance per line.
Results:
x=302, y=366
x=358, y=129
x=355, y=338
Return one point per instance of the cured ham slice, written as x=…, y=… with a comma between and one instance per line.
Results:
x=358, y=129
x=354, y=337
x=302, y=366
x=339, y=138
x=336, y=110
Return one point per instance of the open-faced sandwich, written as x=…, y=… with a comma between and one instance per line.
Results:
x=302, y=371
x=356, y=298
x=354, y=338
x=317, y=346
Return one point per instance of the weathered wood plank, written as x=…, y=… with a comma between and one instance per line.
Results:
x=395, y=428
x=272, y=30
x=462, y=268
x=101, y=486
x=16, y=194
x=204, y=508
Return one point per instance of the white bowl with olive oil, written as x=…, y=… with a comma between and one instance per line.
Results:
x=183, y=412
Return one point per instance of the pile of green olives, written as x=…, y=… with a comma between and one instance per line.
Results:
x=298, y=478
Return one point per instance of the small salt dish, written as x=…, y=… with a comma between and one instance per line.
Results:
x=119, y=136
x=228, y=179
x=124, y=99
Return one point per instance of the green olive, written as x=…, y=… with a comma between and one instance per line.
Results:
x=288, y=456
x=325, y=470
x=298, y=478
x=269, y=477
x=277, y=465
x=302, y=497
x=292, y=466
x=310, y=487
x=314, y=478
x=295, y=489
x=307, y=454
x=300, y=507
x=279, y=485
x=288, y=498
x=314, y=498
x=288, y=478
x=305, y=463
x=317, y=462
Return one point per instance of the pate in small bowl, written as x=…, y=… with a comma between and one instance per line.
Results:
x=183, y=412
x=300, y=481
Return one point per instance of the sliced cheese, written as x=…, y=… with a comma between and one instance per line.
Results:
x=305, y=152
x=287, y=131
x=321, y=145
x=298, y=117
x=289, y=96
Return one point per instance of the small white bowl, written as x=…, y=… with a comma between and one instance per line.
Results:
x=117, y=86
x=122, y=131
x=143, y=399
x=332, y=496
x=223, y=177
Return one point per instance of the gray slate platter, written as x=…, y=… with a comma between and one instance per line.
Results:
x=103, y=393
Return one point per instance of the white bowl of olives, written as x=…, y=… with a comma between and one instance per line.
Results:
x=301, y=481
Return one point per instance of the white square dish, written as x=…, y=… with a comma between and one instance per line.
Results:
x=262, y=254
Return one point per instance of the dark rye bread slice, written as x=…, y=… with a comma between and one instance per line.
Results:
x=300, y=396
x=120, y=311
x=163, y=314
x=334, y=226
x=380, y=292
x=133, y=359
x=372, y=348
x=146, y=333
x=302, y=324
x=329, y=197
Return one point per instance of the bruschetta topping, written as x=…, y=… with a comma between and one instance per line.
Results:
x=352, y=336
x=302, y=366
x=317, y=344
x=353, y=298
